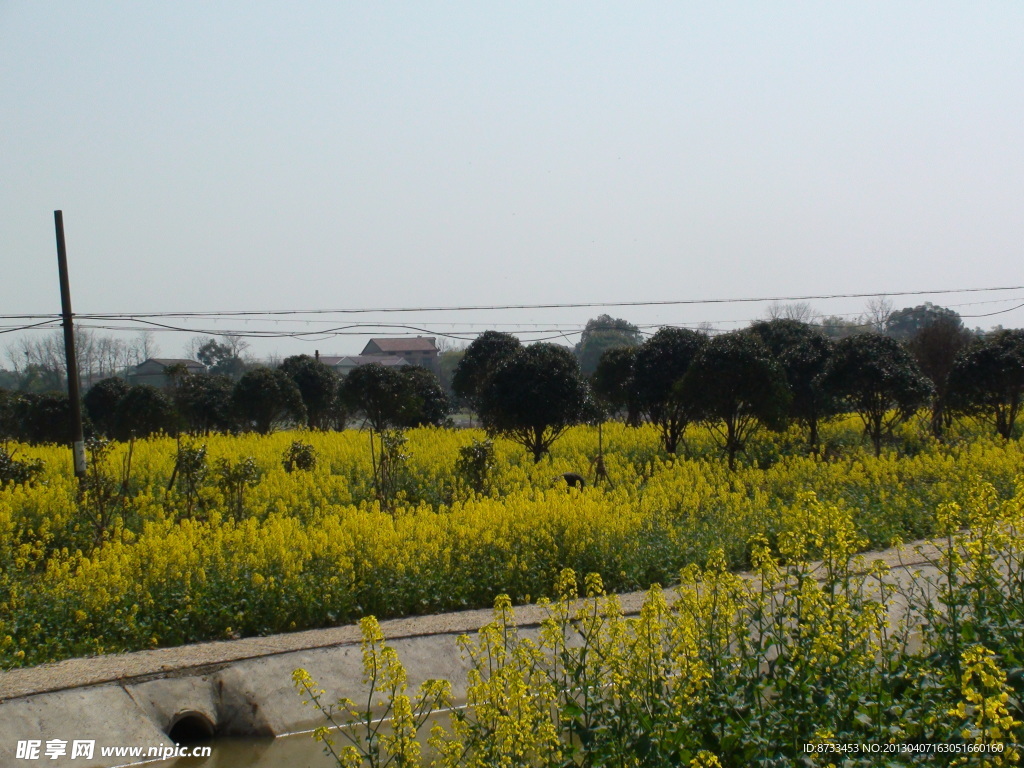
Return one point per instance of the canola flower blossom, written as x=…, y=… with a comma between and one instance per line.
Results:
x=176, y=562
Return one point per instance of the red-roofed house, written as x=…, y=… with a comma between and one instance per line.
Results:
x=417, y=351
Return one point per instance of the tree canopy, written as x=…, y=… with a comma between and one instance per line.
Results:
x=101, y=404
x=482, y=358
x=614, y=382
x=987, y=381
x=426, y=403
x=874, y=376
x=318, y=386
x=602, y=334
x=266, y=398
x=734, y=385
x=661, y=362
x=803, y=352
x=904, y=324
x=935, y=348
x=534, y=396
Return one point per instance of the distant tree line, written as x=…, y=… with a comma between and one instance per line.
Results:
x=775, y=372
x=301, y=392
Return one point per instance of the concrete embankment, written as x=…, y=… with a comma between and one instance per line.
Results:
x=243, y=687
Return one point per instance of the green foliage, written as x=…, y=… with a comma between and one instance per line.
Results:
x=205, y=404
x=104, y=502
x=475, y=465
x=875, y=377
x=299, y=456
x=602, y=334
x=189, y=475
x=233, y=478
x=318, y=386
x=534, y=396
x=803, y=352
x=265, y=399
x=904, y=324
x=614, y=382
x=426, y=403
x=733, y=386
x=142, y=411
x=483, y=357
x=935, y=347
x=101, y=403
x=381, y=394
x=390, y=461
x=661, y=362
x=16, y=471
x=988, y=381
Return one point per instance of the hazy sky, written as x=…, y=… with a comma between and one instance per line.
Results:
x=213, y=156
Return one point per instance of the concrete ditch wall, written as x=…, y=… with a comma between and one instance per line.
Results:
x=242, y=687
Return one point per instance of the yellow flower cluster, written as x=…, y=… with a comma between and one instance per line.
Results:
x=793, y=666
x=313, y=548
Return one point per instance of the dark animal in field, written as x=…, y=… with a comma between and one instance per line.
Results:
x=573, y=480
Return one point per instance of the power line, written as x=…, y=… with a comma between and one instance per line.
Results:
x=567, y=305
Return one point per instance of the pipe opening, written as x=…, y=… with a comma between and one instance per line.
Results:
x=190, y=727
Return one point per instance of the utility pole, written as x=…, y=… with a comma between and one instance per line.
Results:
x=77, y=436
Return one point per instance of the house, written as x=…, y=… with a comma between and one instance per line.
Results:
x=420, y=350
x=342, y=365
x=154, y=370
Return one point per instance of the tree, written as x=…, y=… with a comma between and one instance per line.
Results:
x=835, y=327
x=935, y=346
x=988, y=381
x=874, y=376
x=487, y=352
x=379, y=393
x=734, y=385
x=318, y=385
x=800, y=311
x=447, y=361
x=534, y=396
x=661, y=362
x=904, y=324
x=143, y=411
x=44, y=418
x=803, y=352
x=205, y=404
x=601, y=334
x=426, y=403
x=220, y=358
x=101, y=403
x=265, y=398
x=10, y=407
x=614, y=382
x=877, y=314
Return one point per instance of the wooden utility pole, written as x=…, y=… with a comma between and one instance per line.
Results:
x=77, y=436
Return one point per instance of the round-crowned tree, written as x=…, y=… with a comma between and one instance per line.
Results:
x=488, y=351
x=265, y=398
x=143, y=411
x=534, y=396
x=614, y=382
x=426, y=403
x=987, y=381
x=318, y=386
x=378, y=393
x=661, y=362
x=734, y=386
x=205, y=404
x=875, y=377
x=101, y=403
x=803, y=352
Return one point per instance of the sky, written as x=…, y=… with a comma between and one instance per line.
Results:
x=258, y=156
